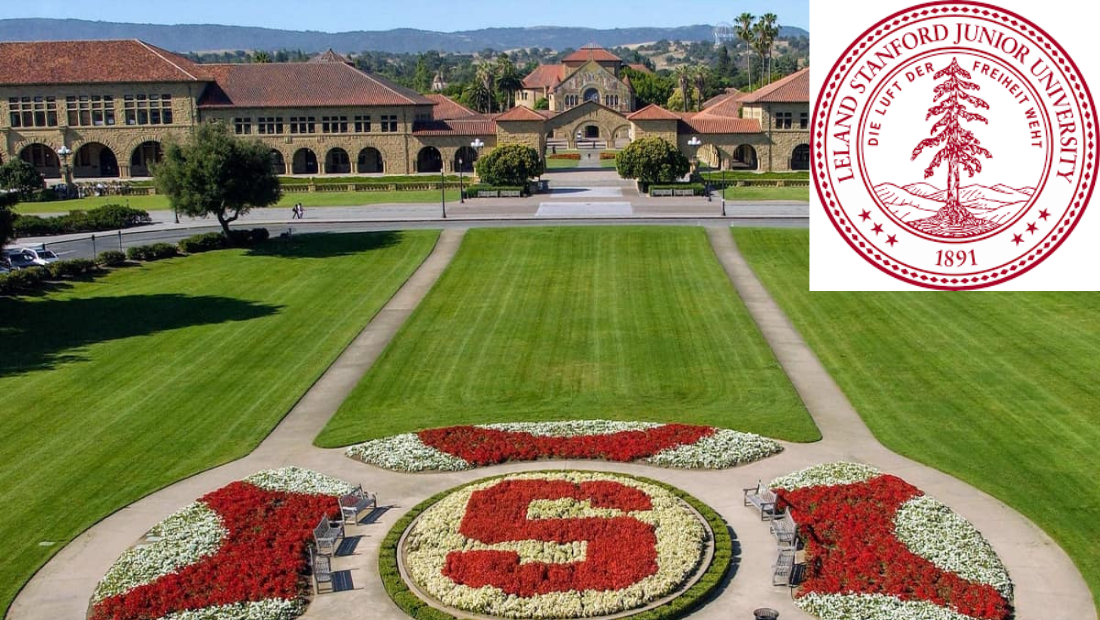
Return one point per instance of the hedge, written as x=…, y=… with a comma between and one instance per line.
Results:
x=688, y=601
x=22, y=280
x=155, y=251
x=72, y=267
x=107, y=217
x=203, y=243
x=112, y=258
x=386, y=180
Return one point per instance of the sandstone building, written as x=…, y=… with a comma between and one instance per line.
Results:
x=115, y=103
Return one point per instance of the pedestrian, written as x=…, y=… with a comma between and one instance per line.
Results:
x=294, y=212
x=301, y=211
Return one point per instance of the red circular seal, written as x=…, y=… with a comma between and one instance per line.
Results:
x=955, y=145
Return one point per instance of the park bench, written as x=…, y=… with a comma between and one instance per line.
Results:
x=763, y=499
x=510, y=193
x=783, y=569
x=785, y=531
x=660, y=192
x=326, y=534
x=356, y=502
x=488, y=193
x=685, y=192
x=321, y=565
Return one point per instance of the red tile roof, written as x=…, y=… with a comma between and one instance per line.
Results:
x=520, y=113
x=591, y=52
x=795, y=88
x=707, y=124
x=652, y=112
x=301, y=85
x=329, y=56
x=545, y=76
x=448, y=109
x=476, y=126
x=93, y=62
x=639, y=67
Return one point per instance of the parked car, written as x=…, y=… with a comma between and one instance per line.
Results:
x=40, y=252
x=21, y=258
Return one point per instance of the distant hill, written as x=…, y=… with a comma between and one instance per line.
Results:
x=208, y=37
x=922, y=200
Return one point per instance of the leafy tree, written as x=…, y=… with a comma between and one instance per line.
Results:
x=216, y=173
x=422, y=80
x=649, y=87
x=724, y=67
x=651, y=159
x=510, y=165
x=20, y=176
x=676, y=101
x=542, y=103
x=7, y=217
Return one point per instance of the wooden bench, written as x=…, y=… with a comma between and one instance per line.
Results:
x=321, y=565
x=326, y=534
x=785, y=531
x=685, y=192
x=487, y=193
x=763, y=499
x=660, y=192
x=356, y=502
x=510, y=193
x=783, y=569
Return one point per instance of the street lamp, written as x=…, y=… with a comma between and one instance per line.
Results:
x=443, y=187
x=66, y=170
x=476, y=145
x=578, y=141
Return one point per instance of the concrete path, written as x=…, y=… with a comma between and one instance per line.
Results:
x=1042, y=572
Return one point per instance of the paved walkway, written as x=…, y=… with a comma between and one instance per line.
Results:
x=1042, y=572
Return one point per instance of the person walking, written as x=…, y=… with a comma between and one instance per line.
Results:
x=301, y=211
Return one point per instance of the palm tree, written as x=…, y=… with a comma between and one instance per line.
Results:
x=261, y=57
x=684, y=77
x=770, y=31
x=745, y=33
x=478, y=96
x=700, y=76
x=508, y=79
x=486, y=79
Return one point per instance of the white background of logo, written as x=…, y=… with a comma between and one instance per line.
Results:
x=834, y=266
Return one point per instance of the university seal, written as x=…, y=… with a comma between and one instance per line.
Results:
x=955, y=145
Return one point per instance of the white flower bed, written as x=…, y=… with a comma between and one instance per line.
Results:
x=267, y=609
x=725, y=448
x=827, y=474
x=681, y=540
x=297, y=480
x=936, y=533
x=873, y=607
x=183, y=538
x=405, y=453
x=571, y=428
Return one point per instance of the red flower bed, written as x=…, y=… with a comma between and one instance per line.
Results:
x=621, y=550
x=263, y=556
x=852, y=548
x=573, y=156
x=483, y=446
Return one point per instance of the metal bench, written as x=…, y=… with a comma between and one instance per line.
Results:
x=326, y=534
x=321, y=565
x=783, y=569
x=785, y=531
x=356, y=502
x=763, y=499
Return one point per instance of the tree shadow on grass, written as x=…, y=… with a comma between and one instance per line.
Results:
x=326, y=245
x=40, y=335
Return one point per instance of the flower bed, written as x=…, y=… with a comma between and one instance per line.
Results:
x=878, y=548
x=239, y=552
x=455, y=448
x=554, y=545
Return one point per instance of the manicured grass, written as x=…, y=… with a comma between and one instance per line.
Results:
x=767, y=193
x=557, y=164
x=747, y=175
x=117, y=387
x=308, y=199
x=998, y=389
x=627, y=323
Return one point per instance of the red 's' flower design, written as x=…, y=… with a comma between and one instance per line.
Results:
x=621, y=550
x=485, y=446
x=852, y=548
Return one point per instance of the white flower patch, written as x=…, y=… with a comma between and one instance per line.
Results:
x=267, y=609
x=873, y=607
x=827, y=474
x=571, y=428
x=938, y=534
x=405, y=453
x=725, y=448
x=184, y=538
x=298, y=480
x=680, y=547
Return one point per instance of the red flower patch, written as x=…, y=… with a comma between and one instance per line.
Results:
x=484, y=446
x=852, y=548
x=262, y=557
x=621, y=550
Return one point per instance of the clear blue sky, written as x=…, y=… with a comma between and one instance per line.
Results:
x=447, y=15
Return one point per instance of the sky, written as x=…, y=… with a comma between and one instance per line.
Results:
x=445, y=16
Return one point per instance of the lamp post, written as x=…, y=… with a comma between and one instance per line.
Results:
x=63, y=152
x=461, y=193
x=443, y=187
x=578, y=141
x=476, y=145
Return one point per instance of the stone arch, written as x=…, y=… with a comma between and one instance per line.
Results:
x=304, y=162
x=800, y=157
x=337, y=161
x=278, y=162
x=620, y=136
x=468, y=155
x=95, y=160
x=744, y=158
x=43, y=158
x=429, y=159
x=710, y=156
x=591, y=94
x=144, y=154
x=370, y=161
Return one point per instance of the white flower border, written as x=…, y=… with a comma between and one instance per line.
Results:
x=267, y=609
x=873, y=607
x=725, y=448
x=826, y=474
x=681, y=540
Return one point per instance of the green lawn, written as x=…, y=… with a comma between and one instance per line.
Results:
x=998, y=389
x=767, y=193
x=628, y=323
x=556, y=164
x=308, y=199
x=117, y=387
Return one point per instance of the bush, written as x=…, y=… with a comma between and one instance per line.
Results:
x=155, y=251
x=203, y=243
x=46, y=195
x=652, y=159
x=112, y=258
x=71, y=268
x=511, y=164
x=259, y=235
x=107, y=217
x=22, y=281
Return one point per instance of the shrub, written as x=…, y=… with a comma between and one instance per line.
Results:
x=112, y=258
x=511, y=164
x=107, y=217
x=114, y=216
x=72, y=267
x=34, y=226
x=46, y=195
x=155, y=251
x=652, y=159
x=204, y=242
x=22, y=281
x=259, y=235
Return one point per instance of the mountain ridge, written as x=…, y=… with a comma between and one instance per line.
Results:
x=921, y=200
x=186, y=38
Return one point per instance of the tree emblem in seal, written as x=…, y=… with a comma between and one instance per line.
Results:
x=1007, y=147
